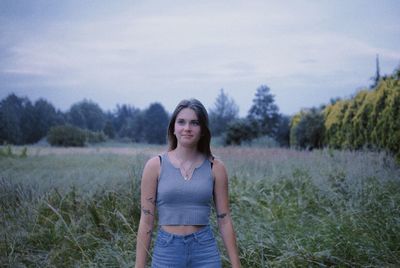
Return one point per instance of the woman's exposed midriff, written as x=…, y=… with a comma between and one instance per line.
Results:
x=181, y=229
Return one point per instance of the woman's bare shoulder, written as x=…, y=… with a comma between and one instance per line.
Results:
x=152, y=167
x=217, y=162
x=153, y=162
x=218, y=168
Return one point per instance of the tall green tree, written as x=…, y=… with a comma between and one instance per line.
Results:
x=12, y=116
x=109, y=130
x=264, y=112
x=282, y=135
x=87, y=115
x=333, y=123
x=155, y=123
x=27, y=123
x=128, y=122
x=310, y=129
x=44, y=117
x=122, y=114
x=134, y=127
x=22, y=123
x=225, y=110
x=349, y=129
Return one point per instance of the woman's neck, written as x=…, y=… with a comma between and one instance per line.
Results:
x=188, y=153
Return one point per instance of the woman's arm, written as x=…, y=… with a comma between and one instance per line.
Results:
x=148, y=192
x=221, y=197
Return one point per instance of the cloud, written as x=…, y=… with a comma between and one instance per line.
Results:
x=190, y=45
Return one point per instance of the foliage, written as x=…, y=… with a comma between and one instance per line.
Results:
x=264, y=112
x=86, y=115
x=109, y=130
x=23, y=123
x=293, y=125
x=155, y=123
x=370, y=119
x=45, y=116
x=94, y=137
x=14, y=113
x=282, y=135
x=66, y=136
x=225, y=110
x=77, y=229
x=263, y=120
x=128, y=122
x=377, y=76
x=7, y=151
x=307, y=129
x=290, y=209
x=333, y=123
x=239, y=131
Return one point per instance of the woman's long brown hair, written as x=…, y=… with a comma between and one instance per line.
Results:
x=204, y=143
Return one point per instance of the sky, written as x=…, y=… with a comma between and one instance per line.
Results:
x=140, y=52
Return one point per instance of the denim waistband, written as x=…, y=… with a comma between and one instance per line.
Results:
x=205, y=229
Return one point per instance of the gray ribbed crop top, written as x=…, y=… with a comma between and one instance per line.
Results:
x=181, y=202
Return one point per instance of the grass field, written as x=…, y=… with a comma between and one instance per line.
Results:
x=79, y=207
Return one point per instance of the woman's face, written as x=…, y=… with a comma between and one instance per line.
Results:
x=187, y=128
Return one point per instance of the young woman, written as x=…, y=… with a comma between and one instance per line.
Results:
x=182, y=185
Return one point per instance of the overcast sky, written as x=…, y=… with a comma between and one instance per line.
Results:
x=140, y=52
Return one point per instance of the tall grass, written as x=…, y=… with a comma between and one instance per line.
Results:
x=290, y=208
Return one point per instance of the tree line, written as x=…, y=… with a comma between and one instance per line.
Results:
x=24, y=122
x=368, y=120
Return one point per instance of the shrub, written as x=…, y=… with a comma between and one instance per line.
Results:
x=95, y=137
x=239, y=131
x=309, y=130
x=66, y=136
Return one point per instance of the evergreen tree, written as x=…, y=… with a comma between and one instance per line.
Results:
x=123, y=114
x=109, y=129
x=377, y=76
x=128, y=123
x=155, y=123
x=44, y=117
x=225, y=110
x=11, y=116
x=264, y=112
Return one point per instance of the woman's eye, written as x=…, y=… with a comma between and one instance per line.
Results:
x=195, y=123
x=181, y=122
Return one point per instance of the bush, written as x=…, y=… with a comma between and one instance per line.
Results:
x=66, y=136
x=7, y=151
x=307, y=132
x=239, y=131
x=73, y=136
x=95, y=137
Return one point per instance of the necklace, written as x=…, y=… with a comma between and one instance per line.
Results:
x=186, y=172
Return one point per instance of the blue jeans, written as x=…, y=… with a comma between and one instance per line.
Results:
x=194, y=250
